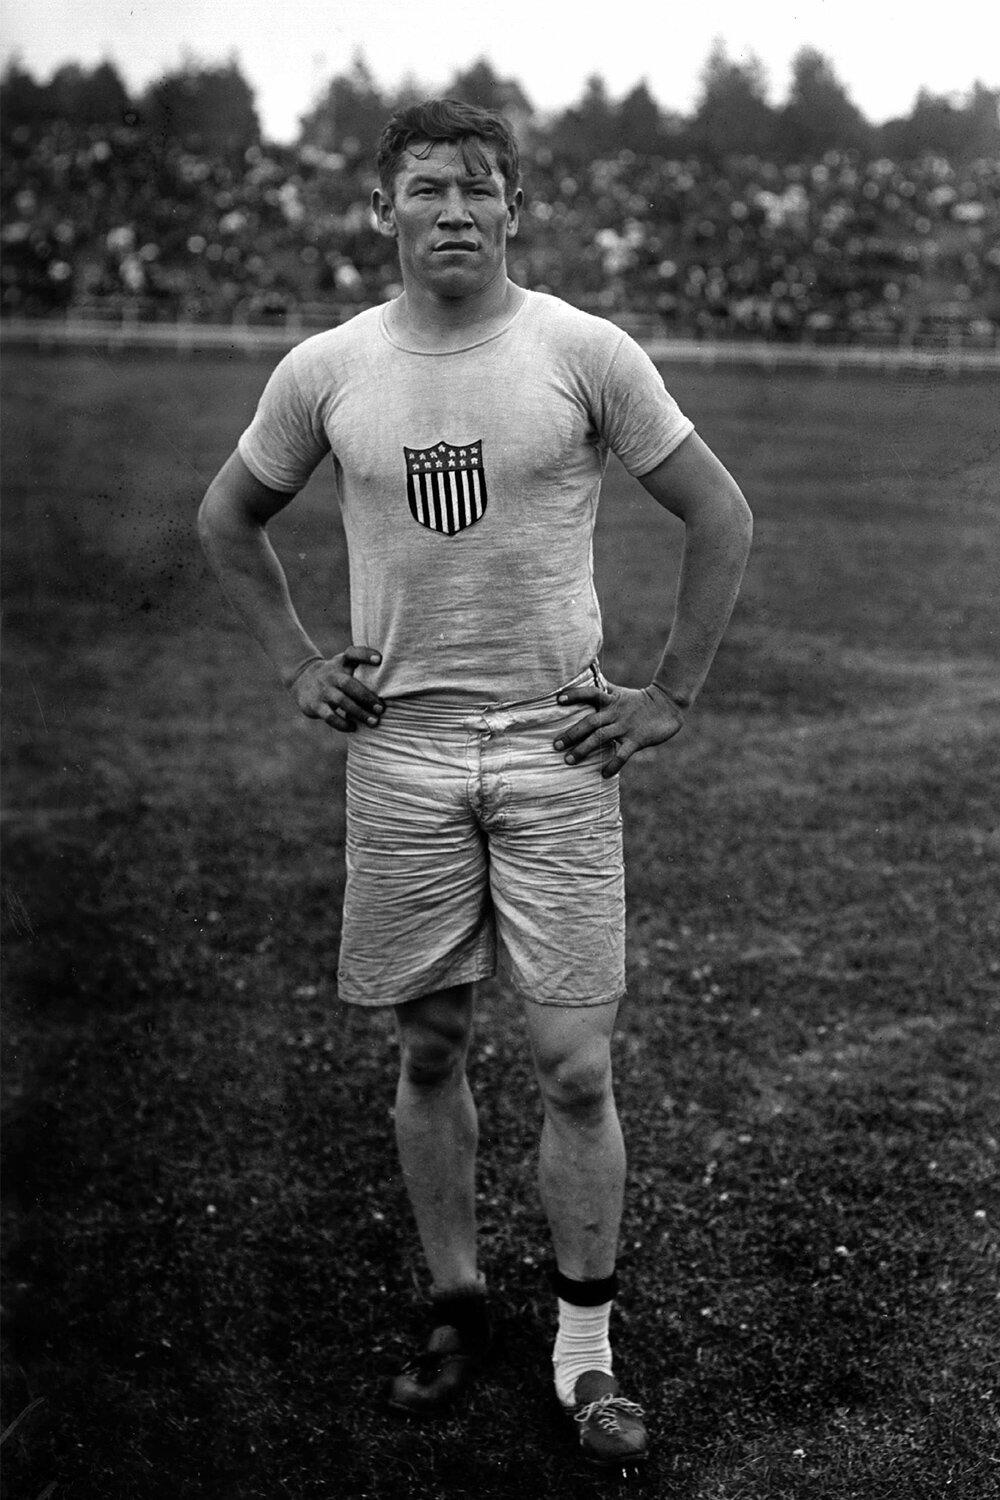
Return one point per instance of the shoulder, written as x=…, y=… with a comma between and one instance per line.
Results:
x=570, y=326
x=336, y=345
x=322, y=363
x=580, y=349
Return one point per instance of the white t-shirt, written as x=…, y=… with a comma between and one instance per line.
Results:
x=468, y=483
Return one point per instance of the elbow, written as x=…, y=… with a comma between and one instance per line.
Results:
x=215, y=516
x=746, y=518
x=204, y=519
x=741, y=516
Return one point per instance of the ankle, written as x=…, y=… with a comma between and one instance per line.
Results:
x=463, y=1308
x=582, y=1340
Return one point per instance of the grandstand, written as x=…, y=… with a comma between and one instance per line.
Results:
x=116, y=234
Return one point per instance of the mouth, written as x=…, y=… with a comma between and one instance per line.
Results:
x=450, y=246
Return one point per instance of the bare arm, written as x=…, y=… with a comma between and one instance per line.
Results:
x=232, y=522
x=691, y=483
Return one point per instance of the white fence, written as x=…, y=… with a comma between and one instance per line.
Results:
x=249, y=340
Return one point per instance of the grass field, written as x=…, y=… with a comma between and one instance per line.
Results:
x=210, y=1269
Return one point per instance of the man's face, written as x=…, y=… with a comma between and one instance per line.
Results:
x=450, y=218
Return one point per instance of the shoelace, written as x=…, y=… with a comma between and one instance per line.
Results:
x=605, y=1412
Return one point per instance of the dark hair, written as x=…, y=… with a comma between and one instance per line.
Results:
x=466, y=125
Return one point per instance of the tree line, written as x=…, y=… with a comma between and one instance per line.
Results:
x=211, y=107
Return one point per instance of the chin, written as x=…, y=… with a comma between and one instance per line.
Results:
x=456, y=283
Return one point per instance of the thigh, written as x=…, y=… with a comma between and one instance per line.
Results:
x=417, y=914
x=557, y=877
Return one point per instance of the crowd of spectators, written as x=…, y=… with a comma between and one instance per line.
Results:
x=838, y=249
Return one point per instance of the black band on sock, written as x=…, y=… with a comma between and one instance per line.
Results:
x=585, y=1293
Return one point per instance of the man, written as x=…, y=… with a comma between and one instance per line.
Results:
x=469, y=422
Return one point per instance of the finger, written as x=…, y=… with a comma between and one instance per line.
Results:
x=605, y=734
x=362, y=656
x=583, y=727
x=624, y=751
x=586, y=692
x=351, y=689
x=352, y=706
x=335, y=718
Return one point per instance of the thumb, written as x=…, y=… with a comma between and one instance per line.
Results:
x=362, y=656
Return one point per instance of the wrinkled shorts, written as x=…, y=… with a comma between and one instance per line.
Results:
x=472, y=848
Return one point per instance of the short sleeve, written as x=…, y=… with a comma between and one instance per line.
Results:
x=286, y=439
x=638, y=419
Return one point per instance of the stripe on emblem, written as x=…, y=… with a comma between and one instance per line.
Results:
x=446, y=486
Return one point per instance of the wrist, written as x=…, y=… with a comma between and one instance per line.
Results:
x=681, y=701
x=291, y=675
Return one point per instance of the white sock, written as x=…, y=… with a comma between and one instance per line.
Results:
x=582, y=1343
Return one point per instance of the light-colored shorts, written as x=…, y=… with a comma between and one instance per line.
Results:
x=471, y=847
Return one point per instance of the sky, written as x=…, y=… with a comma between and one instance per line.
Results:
x=881, y=50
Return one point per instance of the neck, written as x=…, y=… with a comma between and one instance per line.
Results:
x=435, y=321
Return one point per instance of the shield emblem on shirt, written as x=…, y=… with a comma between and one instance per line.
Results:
x=446, y=486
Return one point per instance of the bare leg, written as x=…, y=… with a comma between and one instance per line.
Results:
x=437, y=1132
x=581, y=1169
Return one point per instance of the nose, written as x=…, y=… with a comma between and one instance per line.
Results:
x=455, y=209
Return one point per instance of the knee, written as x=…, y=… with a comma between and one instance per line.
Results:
x=433, y=1035
x=427, y=1061
x=432, y=1050
x=576, y=1084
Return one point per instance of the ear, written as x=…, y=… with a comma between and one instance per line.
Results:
x=514, y=213
x=385, y=214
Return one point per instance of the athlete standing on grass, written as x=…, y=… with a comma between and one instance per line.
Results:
x=469, y=422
